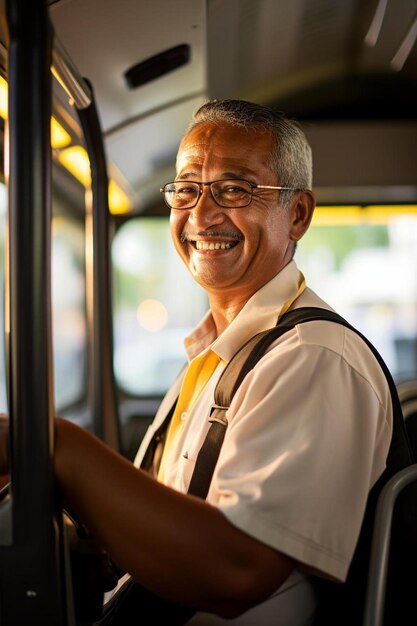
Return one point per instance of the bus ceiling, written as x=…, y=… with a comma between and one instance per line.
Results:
x=346, y=70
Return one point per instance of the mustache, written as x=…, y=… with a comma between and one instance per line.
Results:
x=186, y=236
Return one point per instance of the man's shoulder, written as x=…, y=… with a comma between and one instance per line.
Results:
x=310, y=298
x=331, y=343
x=329, y=334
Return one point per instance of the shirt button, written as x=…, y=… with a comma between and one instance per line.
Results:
x=183, y=416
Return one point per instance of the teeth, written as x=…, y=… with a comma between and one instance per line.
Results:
x=203, y=245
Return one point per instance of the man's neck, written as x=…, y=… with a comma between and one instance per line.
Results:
x=224, y=310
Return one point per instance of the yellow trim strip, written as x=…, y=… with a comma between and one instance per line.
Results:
x=75, y=159
x=59, y=136
x=354, y=215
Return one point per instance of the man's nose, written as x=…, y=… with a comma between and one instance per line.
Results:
x=206, y=211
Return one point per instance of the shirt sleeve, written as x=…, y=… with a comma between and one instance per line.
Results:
x=308, y=435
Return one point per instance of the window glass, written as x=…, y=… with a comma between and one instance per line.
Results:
x=68, y=312
x=156, y=303
x=367, y=270
x=3, y=210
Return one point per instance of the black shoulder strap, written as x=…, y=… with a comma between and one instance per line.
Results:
x=239, y=366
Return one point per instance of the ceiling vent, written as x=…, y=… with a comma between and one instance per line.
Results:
x=157, y=65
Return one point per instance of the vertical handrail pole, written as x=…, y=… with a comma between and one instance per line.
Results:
x=31, y=391
x=381, y=545
x=102, y=382
x=34, y=589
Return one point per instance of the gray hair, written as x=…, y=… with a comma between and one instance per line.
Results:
x=291, y=157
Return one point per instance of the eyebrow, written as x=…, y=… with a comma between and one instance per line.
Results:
x=223, y=176
x=187, y=175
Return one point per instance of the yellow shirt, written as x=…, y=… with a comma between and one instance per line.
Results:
x=198, y=373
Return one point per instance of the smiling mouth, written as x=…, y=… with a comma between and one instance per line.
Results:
x=204, y=244
x=211, y=245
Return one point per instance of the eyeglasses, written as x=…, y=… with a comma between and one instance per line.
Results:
x=229, y=194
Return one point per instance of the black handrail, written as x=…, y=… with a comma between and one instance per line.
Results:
x=32, y=569
x=381, y=545
x=103, y=400
x=35, y=574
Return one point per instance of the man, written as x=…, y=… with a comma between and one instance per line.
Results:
x=308, y=429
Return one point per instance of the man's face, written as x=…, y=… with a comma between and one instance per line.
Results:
x=254, y=242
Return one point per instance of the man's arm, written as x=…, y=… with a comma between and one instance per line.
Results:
x=176, y=545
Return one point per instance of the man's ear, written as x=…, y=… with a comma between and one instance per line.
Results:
x=301, y=211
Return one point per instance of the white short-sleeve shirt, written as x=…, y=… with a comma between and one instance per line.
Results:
x=308, y=436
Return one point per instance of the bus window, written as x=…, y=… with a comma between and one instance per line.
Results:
x=68, y=313
x=363, y=261
x=156, y=303
x=68, y=305
x=3, y=210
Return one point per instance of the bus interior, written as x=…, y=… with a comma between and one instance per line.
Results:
x=106, y=341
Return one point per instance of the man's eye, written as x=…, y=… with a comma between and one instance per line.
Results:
x=185, y=190
x=233, y=189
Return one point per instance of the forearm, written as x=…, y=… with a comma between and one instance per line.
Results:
x=176, y=545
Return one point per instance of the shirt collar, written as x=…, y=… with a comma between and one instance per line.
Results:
x=259, y=313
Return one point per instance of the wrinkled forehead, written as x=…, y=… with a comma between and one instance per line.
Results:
x=209, y=144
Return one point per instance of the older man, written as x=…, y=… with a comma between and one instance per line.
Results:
x=308, y=429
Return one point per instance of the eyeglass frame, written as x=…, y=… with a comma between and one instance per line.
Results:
x=201, y=185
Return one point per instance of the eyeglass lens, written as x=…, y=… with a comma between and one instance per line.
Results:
x=226, y=193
